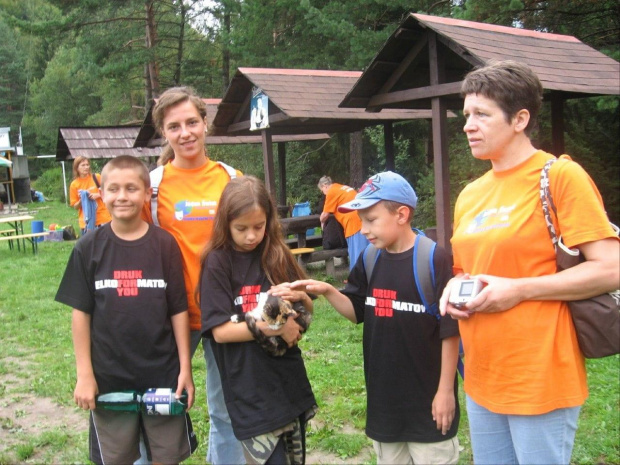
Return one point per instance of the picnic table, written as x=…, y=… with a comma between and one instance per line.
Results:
x=15, y=232
x=304, y=251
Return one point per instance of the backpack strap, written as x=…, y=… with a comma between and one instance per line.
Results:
x=423, y=269
x=369, y=258
x=96, y=181
x=232, y=173
x=424, y=272
x=157, y=175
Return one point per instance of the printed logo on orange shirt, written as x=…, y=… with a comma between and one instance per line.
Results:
x=492, y=218
x=187, y=210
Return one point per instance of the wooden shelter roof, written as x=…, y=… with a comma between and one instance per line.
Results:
x=100, y=142
x=563, y=63
x=301, y=101
x=148, y=136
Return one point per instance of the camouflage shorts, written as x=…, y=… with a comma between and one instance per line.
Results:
x=258, y=449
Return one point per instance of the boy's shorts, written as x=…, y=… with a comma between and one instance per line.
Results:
x=115, y=437
x=444, y=452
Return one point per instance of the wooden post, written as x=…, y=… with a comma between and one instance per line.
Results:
x=282, y=207
x=440, y=150
x=270, y=180
x=356, y=175
x=557, y=123
x=388, y=137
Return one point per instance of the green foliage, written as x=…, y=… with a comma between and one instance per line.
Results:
x=51, y=184
x=63, y=97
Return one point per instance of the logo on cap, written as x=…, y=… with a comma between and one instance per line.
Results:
x=369, y=187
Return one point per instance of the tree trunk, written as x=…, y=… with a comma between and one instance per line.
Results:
x=177, y=68
x=148, y=92
x=151, y=42
x=356, y=174
x=226, y=52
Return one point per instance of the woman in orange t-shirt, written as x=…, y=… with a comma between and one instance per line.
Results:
x=525, y=377
x=84, y=180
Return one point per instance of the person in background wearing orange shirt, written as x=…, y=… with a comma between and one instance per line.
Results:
x=336, y=195
x=525, y=376
x=188, y=194
x=84, y=180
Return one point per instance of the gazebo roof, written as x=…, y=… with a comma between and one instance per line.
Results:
x=149, y=137
x=563, y=63
x=301, y=101
x=100, y=142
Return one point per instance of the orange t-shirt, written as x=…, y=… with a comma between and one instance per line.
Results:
x=525, y=360
x=186, y=206
x=88, y=184
x=338, y=194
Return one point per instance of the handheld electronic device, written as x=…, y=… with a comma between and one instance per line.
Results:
x=464, y=290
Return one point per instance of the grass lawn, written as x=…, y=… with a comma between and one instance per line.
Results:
x=40, y=424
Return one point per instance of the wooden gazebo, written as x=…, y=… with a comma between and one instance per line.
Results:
x=148, y=136
x=100, y=142
x=301, y=101
x=422, y=64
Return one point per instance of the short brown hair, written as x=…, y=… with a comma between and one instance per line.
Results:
x=171, y=98
x=512, y=85
x=393, y=207
x=127, y=162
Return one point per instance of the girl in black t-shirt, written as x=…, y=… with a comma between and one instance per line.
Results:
x=269, y=398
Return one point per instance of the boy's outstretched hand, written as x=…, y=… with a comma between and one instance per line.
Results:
x=312, y=286
x=338, y=300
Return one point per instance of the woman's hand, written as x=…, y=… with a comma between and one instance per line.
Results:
x=94, y=195
x=445, y=307
x=497, y=295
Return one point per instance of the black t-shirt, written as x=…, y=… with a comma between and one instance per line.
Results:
x=402, y=347
x=262, y=392
x=131, y=289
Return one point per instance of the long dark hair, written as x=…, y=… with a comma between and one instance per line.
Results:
x=241, y=195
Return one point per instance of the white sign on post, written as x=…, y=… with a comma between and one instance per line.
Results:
x=259, y=110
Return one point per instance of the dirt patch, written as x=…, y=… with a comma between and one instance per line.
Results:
x=27, y=415
x=23, y=414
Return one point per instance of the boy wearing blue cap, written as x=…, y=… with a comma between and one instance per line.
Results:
x=410, y=355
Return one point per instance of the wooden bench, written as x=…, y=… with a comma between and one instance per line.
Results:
x=299, y=226
x=311, y=241
x=7, y=233
x=307, y=255
x=25, y=237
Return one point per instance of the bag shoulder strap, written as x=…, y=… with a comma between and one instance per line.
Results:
x=96, y=181
x=157, y=175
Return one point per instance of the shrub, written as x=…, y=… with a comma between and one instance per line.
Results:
x=51, y=184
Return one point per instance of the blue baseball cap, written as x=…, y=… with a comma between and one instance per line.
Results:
x=383, y=186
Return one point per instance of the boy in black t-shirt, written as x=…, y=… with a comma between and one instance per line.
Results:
x=130, y=325
x=410, y=355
